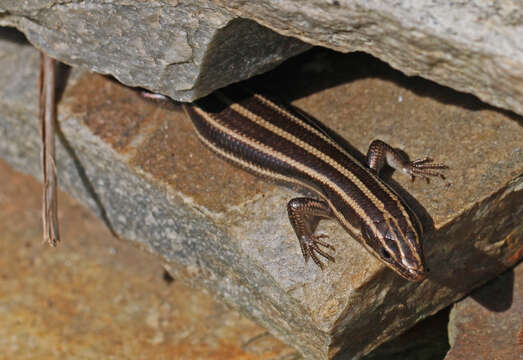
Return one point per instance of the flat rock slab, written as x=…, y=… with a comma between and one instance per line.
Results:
x=141, y=168
x=185, y=49
x=98, y=297
x=489, y=323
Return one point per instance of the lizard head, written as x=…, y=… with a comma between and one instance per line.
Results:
x=399, y=249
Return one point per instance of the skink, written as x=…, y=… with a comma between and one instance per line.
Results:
x=275, y=142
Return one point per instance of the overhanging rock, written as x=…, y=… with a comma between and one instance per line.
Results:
x=184, y=49
x=470, y=46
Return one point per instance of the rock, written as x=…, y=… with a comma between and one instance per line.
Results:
x=470, y=46
x=427, y=340
x=97, y=297
x=141, y=168
x=184, y=49
x=485, y=325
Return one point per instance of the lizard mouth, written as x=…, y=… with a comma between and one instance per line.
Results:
x=415, y=274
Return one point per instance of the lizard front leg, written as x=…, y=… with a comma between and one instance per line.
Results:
x=304, y=215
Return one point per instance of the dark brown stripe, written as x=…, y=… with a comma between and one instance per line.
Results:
x=243, y=97
x=241, y=125
x=243, y=151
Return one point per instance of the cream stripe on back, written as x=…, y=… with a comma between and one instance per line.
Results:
x=320, y=155
x=327, y=139
x=295, y=164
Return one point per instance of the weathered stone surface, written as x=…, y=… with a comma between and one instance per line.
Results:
x=184, y=49
x=187, y=48
x=97, y=297
x=472, y=46
x=485, y=325
x=142, y=169
x=427, y=340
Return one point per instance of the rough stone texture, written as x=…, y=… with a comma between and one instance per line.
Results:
x=184, y=49
x=51, y=305
x=471, y=46
x=96, y=297
x=427, y=340
x=141, y=168
x=187, y=48
x=485, y=325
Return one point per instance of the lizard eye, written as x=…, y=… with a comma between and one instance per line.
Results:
x=385, y=254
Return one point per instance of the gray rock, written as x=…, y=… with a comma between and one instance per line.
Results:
x=471, y=46
x=188, y=48
x=488, y=324
x=141, y=168
x=427, y=340
x=184, y=49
